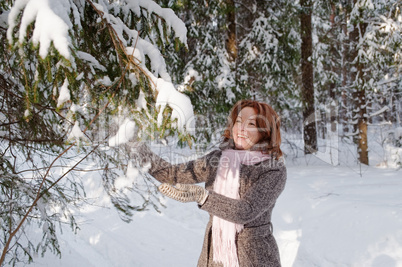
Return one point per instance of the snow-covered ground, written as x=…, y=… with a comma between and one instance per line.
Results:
x=327, y=216
x=345, y=215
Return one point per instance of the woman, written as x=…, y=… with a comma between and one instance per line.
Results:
x=243, y=180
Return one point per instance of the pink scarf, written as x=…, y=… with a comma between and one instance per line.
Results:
x=227, y=184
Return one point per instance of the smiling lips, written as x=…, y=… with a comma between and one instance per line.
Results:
x=242, y=136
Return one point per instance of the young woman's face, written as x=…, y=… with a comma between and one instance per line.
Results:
x=245, y=132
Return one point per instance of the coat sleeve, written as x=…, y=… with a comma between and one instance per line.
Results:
x=260, y=197
x=191, y=172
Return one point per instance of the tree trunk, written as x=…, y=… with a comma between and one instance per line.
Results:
x=307, y=90
x=334, y=69
x=344, y=94
x=359, y=93
x=231, y=41
x=246, y=13
x=361, y=126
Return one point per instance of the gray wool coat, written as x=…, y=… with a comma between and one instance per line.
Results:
x=260, y=186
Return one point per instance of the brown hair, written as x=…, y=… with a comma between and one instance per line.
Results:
x=268, y=124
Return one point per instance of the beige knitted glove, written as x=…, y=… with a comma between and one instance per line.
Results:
x=184, y=192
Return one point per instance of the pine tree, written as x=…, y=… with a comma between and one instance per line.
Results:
x=74, y=76
x=237, y=50
x=205, y=69
x=269, y=54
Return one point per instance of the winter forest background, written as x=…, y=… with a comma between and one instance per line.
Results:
x=82, y=81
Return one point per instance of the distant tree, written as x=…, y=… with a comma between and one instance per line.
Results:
x=370, y=71
x=358, y=82
x=269, y=54
x=307, y=72
x=355, y=59
x=327, y=60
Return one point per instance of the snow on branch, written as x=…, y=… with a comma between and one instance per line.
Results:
x=51, y=24
x=167, y=14
x=385, y=108
x=52, y=21
x=180, y=104
x=167, y=94
x=142, y=47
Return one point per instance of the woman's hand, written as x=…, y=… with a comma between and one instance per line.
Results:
x=184, y=192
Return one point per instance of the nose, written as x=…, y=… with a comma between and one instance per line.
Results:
x=242, y=127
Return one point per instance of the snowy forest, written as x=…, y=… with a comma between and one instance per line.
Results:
x=84, y=81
